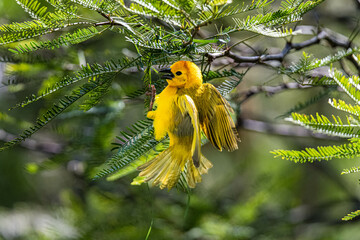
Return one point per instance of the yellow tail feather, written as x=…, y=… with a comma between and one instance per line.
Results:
x=165, y=169
x=193, y=174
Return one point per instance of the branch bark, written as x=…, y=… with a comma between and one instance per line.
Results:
x=269, y=90
x=31, y=144
x=110, y=21
x=334, y=39
x=280, y=129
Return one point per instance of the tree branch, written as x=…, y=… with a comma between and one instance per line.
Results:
x=110, y=21
x=269, y=90
x=280, y=129
x=31, y=144
x=358, y=3
x=334, y=39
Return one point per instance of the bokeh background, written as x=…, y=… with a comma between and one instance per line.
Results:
x=46, y=192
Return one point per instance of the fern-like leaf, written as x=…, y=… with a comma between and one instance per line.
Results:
x=33, y=32
x=268, y=24
x=306, y=63
x=351, y=215
x=343, y=106
x=320, y=153
x=231, y=83
x=252, y=25
x=97, y=94
x=351, y=170
x=213, y=12
x=135, y=143
x=89, y=71
x=322, y=124
x=50, y=114
x=33, y=8
x=146, y=156
x=350, y=85
x=103, y=6
x=79, y=36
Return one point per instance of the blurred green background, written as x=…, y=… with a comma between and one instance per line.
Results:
x=46, y=193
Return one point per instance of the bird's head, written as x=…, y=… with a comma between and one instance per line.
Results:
x=183, y=74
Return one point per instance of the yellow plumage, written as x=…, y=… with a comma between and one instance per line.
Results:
x=184, y=108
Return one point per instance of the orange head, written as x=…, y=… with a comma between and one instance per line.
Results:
x=183, y=74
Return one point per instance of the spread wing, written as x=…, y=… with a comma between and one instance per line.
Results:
x=190, y=125
x=215, y=119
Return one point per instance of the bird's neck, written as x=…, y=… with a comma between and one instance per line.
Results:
x=193, y=84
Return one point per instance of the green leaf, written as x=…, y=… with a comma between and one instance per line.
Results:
x=350, y=85
x=306, y=64
x=53, y=112
x=89, y=71
x=351, y=170
x=79, y=36
x=134, y=144
x=341, y=105
x=322, y=124
x=351, y=216
x=350, y=150
x=33, y=8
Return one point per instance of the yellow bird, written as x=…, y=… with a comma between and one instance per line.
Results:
x=184, y=108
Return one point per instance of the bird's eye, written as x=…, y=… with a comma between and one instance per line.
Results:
x=178, y=73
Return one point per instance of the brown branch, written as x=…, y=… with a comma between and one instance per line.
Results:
x=269, y=57
x=334, y=39
x=357, y=2
x=196, y=30
x=280, y=129
x=31, y=144
x=269, y=90
x=110, y=21
x=151, y=93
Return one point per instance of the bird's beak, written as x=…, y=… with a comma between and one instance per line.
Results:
x=170, y=75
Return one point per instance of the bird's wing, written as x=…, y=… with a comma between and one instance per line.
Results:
x=185, y=143
x=215, y=118
x=188, y=109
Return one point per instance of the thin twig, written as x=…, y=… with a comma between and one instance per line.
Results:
x=110, y=21
x=192, y=36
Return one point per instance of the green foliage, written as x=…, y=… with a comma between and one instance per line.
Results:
x=307, y=63
x=349, y=128
x=53, y=112
x=343, y=106
x=134, y=144
x=162, y=32
x=322, y=124
x=351, y=170
x=70, y=38
x=94, y=71
x=234, y=79
x=349, y=150
x=350, y=85
x=80, y=100
x=33, y=8
x=351, y=215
